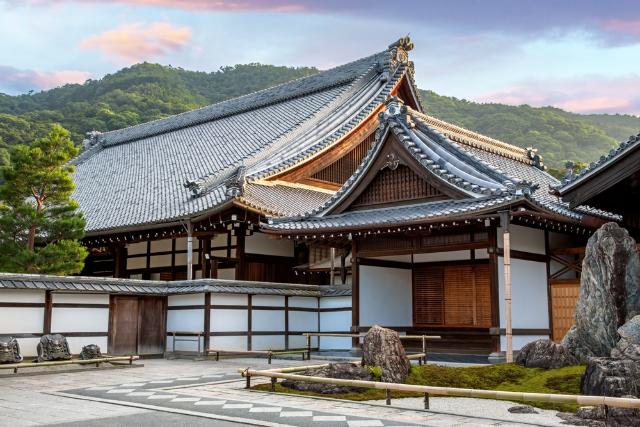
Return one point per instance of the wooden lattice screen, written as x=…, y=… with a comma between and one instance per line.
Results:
x=342, y=169
x=397, y=185
x=452, y=296
x=564, y=296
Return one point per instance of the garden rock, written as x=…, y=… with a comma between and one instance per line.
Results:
x=347, y=371
x=629, y=345
x=545, y=354
x=382, y=348
x=622, y=417
x=609, y=293
x=522, y=409
x=611, y=377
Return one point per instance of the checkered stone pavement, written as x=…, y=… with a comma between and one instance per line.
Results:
x=169, y=395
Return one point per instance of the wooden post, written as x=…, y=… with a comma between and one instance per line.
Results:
x=207, y=322
x=388, y=396
x=189, y=251
x=426, y=401
x=249, y=320
x=308, y=347
x=504, y=220
x=332, y=254
x=355, y=293
x=48, y=308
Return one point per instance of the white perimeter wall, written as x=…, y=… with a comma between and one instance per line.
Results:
x=259, y=243
x=335, y=321
x=66, y=320
x=22, y=320
x=185, y=320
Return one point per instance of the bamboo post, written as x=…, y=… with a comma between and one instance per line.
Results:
x=269, y=355
x=424, y=348
x=387, y=393
x=273, y=384
x=308, y=347
x=426, y=401
x=504, y=222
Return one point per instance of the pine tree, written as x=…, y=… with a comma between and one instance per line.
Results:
x=40, y=225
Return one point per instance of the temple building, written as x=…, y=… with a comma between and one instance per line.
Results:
x=329, y=203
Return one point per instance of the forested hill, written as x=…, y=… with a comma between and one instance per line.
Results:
x=146, y=92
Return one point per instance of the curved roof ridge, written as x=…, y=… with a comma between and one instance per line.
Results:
x=475, y=139
x=251, y=101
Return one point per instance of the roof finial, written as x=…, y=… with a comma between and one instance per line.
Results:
x=403, y=43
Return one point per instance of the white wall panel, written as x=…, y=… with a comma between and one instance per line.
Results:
x=260, y=243
x=268, y=300
x=335, y=343
x=267, y=342
x=267, y=320
x=79, y=319
x=385, y=296
x=442, y=256
x=189, y=299
x=528, y=294
x=229, y=299
x=191, y=345
x=15, y=295
x=300, y=341
x=160, y=261
x=237, y=343
x=21, y=320
x=185, y=320
x=57, y=298
x=335, y=302
x=135, y=263
x=520, y=341
x=76, y=343
x=223, y=320
x=161, y=245
x=303, y=321
x=524, y=239
x=227, y=273
x=137, y=248
x=306, y=302
x=335, y=321
x=482, y=254
x=29, y=347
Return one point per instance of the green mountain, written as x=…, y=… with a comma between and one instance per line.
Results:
x=146, y=92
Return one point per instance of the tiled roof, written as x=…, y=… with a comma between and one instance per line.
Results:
x=490, y=172
x=281, y=199
x=156, y=287
x=137, y=176
x=624, y=149
x=393, y=216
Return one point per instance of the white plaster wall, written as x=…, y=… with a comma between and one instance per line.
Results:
x=137, y=248
x=227, y=273
x=524, y=239
x=300, y=341
x=442, y=256
x=260, y=243
x=335, y=302
x=335, y=321
x=185, y=320
x=65, y=319
x=306, y=302
x=229, y=299
x=303, y=321
x=267, y=320
x=268, y=300
x=26, y=295
x=135, y=263
x=161, y=245
x=223, y=320
x=160, y=261
x=520, y=341
x=21, y=320
x=267, y=342
x=482, y=254
x=29, y=346
x=385, y=296
x=59, y=298
x=76, y=343
x=191, y=345
x=190, y=299
x=529, y=296
x=236, y=343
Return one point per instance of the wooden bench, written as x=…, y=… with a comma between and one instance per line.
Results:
x=268, y=353
x=97, y=362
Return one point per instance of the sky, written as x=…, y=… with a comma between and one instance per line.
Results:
x=579, y=55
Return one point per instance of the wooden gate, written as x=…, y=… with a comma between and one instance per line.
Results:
x=137, y=325
x=564, y=296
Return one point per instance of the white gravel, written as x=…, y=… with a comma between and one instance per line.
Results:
x=487, y=412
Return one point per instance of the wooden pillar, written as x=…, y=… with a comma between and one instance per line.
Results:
x=207, y=321
x=241, y=266
x=249, y=316
x=205, y=250
x=147, y=275
x=189, y=251
x=332, y=263
x=355, y=293
x=547, y=252
x=504, y=222
x=48, y=309
x=495, y=287
x=286, y=322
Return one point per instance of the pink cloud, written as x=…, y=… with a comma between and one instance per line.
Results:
x=595, y=94
x=138, y=42
x=287, y=6
x=631, y=27
x=14, y=80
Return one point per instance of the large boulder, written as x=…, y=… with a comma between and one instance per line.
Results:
x=382, y=348
x=347, y=371
x=629, y=345
x=545, y=354
x=605, y=376
x=609, y=292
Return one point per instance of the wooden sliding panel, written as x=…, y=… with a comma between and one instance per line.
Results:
x=452, y=296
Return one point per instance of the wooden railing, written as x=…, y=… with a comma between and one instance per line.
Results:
x=97, y=362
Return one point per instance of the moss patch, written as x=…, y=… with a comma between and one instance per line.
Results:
x=507, y=377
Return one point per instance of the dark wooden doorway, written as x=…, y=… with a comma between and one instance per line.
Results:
x=137, y=325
